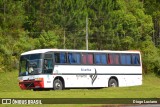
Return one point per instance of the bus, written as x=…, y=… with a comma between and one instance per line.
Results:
x=59, y=69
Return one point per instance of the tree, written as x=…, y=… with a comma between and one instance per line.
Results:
x=152, y=7
x=10, y=31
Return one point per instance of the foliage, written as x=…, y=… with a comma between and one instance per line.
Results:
x=47, y=40
x=112, y=24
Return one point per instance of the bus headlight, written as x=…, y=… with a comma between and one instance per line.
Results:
x=38, y=79
x=20, y=81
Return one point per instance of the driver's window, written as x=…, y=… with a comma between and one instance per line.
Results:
x=48, y=64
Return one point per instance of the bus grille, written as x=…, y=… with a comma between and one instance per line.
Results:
x=29, y=85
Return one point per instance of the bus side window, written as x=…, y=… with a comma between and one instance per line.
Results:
x=84, y=58
x=125, y=59
x=104, y=59
x=90, y=58
x=100, y=59
x=136, y=60
x=122, y=59
x=57, y=57
x=87, y=58
x=60, y=57
x=63, y=58
x=97, y=59
x=110, y=59
x=74, y=58
x=71, y=58
x=128, y=60
x=48, y=63
x=116, y=59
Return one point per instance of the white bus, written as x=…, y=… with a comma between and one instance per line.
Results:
x=59, y=69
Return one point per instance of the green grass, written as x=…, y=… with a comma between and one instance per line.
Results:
x=150, y=89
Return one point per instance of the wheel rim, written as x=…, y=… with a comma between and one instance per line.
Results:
x=58, y=85
x=113, y=84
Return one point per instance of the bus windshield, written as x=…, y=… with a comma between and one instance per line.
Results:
x=30, y=65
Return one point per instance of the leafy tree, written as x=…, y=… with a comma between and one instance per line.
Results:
x=12, y=17
x=152, y=7
x=48, y=40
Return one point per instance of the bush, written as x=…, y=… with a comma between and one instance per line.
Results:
x=150, y=57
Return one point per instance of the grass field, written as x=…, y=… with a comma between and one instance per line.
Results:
x=9, y=89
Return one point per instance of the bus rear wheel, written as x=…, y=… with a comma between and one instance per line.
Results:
x=112, y=83
x=57, y=85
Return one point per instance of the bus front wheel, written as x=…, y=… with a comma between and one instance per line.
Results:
x=112, y=83
x=57, y=85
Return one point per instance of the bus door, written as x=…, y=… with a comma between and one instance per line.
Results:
x=48, y=64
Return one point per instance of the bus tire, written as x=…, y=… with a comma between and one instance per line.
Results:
x=112, y=83
x=57, y=85
x=37, y=89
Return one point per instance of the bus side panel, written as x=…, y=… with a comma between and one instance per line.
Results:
x=48, y=81
x=81, y=76
x=98, y=76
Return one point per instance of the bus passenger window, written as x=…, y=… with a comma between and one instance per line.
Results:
x=135, y=59
x=104, y=59
x=125, y=59
x=90, y=58
x=100, y=59
x=57, y=57
x=116, y=57
x=74, y=58
x=110, y=59
x=60, y=58
x=128, y=59
x=122, y=59
x=84, y=58
x=97, y=59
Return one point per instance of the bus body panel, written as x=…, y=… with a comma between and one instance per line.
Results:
x=98, y=76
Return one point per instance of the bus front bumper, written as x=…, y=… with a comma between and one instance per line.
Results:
x=31, y=84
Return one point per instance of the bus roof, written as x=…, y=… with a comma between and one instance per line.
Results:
x=71, y=50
